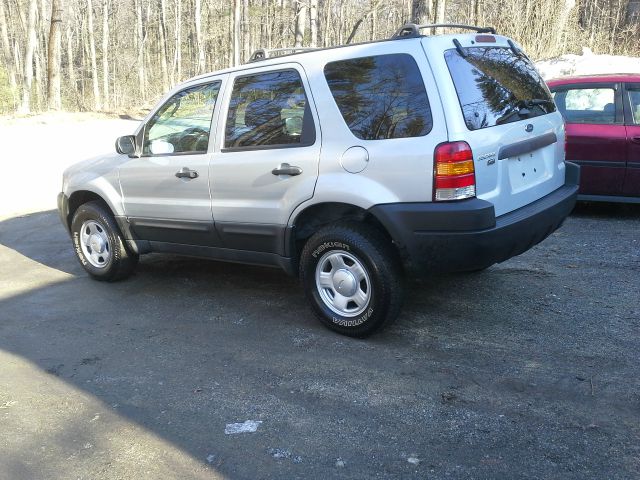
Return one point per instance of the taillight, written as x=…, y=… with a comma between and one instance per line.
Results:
x=454, y=176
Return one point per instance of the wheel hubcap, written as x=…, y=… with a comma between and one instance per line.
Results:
x=343, y=283
x=95, y=243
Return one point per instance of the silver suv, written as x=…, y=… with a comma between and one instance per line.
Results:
x=350, y=167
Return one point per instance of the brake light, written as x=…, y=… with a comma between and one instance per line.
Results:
x=454, y=175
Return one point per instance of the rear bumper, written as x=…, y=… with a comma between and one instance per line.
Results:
x=466, y=235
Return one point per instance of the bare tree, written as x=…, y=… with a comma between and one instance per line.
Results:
x=105, y=54
x=7, y=54
x=236, y=32
x=199, y=44
x=162, y=36
x=313, y=20
x=140, y=49
x=30, y=47
x=92, y=52
x=301, y=16
x=441, y=11
x=54, y=56
x=421, y=11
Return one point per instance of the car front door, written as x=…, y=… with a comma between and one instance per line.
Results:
x=166, y=190
x=266, y=157
x=595, y=134
x=632, y=121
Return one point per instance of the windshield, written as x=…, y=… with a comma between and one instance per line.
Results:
x=497, y=86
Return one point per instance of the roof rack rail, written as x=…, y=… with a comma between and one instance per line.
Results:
x=413, y=30
x=264, y=53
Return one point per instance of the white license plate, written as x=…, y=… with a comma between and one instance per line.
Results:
x=525, y=171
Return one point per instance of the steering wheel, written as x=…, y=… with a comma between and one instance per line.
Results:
x=190, y=138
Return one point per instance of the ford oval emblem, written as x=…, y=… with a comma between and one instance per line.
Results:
x=529, y=127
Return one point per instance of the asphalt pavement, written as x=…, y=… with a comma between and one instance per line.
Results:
x=198, y=369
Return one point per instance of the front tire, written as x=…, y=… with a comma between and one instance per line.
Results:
x=99, y=245
x=352, y=277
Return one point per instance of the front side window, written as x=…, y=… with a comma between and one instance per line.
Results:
x=182, y=125
x=634, y=98
x=587, y=105
x=269, y=110
x=380, y=97
x=496, y=86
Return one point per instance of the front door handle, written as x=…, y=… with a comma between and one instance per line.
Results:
x=635, y=139
x=286, y=169
x=184, y=172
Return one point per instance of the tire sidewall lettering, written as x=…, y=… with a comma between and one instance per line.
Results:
x=329, y=245
x=76, y=246
x=348, y=322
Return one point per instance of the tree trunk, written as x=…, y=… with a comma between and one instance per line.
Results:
x=94, y=64
x=313, y=19
x=70, y=59
x=421, y=12
x=236, y=32
x=105, y=54
x=7, y=54
x=140, y=53
x=30, y=47
x=54, y=56
x=441, y=11
x=177, y=57
x=162, y=34
x=246, y=31
x=301, y=18
x=199, y=45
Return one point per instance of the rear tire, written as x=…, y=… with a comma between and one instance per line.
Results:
x=99, y=245
x=353, y=278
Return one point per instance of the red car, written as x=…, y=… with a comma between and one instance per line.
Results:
x=602, y=116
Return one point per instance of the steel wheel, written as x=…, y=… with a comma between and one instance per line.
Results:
x=95, y=243
x=343, y=283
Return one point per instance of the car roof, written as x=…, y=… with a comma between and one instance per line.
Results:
x=598, y=78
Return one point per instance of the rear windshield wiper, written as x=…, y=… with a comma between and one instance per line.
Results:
x=538, y=102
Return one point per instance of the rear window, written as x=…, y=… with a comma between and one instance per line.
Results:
x=495, y=86
x=381, y=97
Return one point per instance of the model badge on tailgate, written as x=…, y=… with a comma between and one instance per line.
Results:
x=489, y=157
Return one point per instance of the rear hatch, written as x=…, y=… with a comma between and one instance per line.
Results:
x=495, y=100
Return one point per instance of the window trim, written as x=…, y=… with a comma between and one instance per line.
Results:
x=628, y=111
x=312, y=127
x=143, y=130
x=617, y=98
x=422, y=79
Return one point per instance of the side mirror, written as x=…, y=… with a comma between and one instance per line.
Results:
x=126, y=145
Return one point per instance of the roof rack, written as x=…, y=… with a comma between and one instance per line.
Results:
x=264, y=53
x=413, y=30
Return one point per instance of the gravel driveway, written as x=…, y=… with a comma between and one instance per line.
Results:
x=526, y=370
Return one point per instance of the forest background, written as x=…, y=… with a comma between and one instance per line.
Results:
x=121, y=55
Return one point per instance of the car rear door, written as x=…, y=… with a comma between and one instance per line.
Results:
x=499, y=104
x=595, y=134
x=266, y=157
x=632, y=124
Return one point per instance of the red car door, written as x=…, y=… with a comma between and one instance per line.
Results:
x=632, y=121
x=596, y=134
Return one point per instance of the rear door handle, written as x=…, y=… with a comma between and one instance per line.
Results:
x=184, y=172
x=635, y=139
x=286, y=169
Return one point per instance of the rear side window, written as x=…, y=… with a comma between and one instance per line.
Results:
x=587, y=105
x=380, y=97
x=496, y=86
x=269, y=110
x=634, y=98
